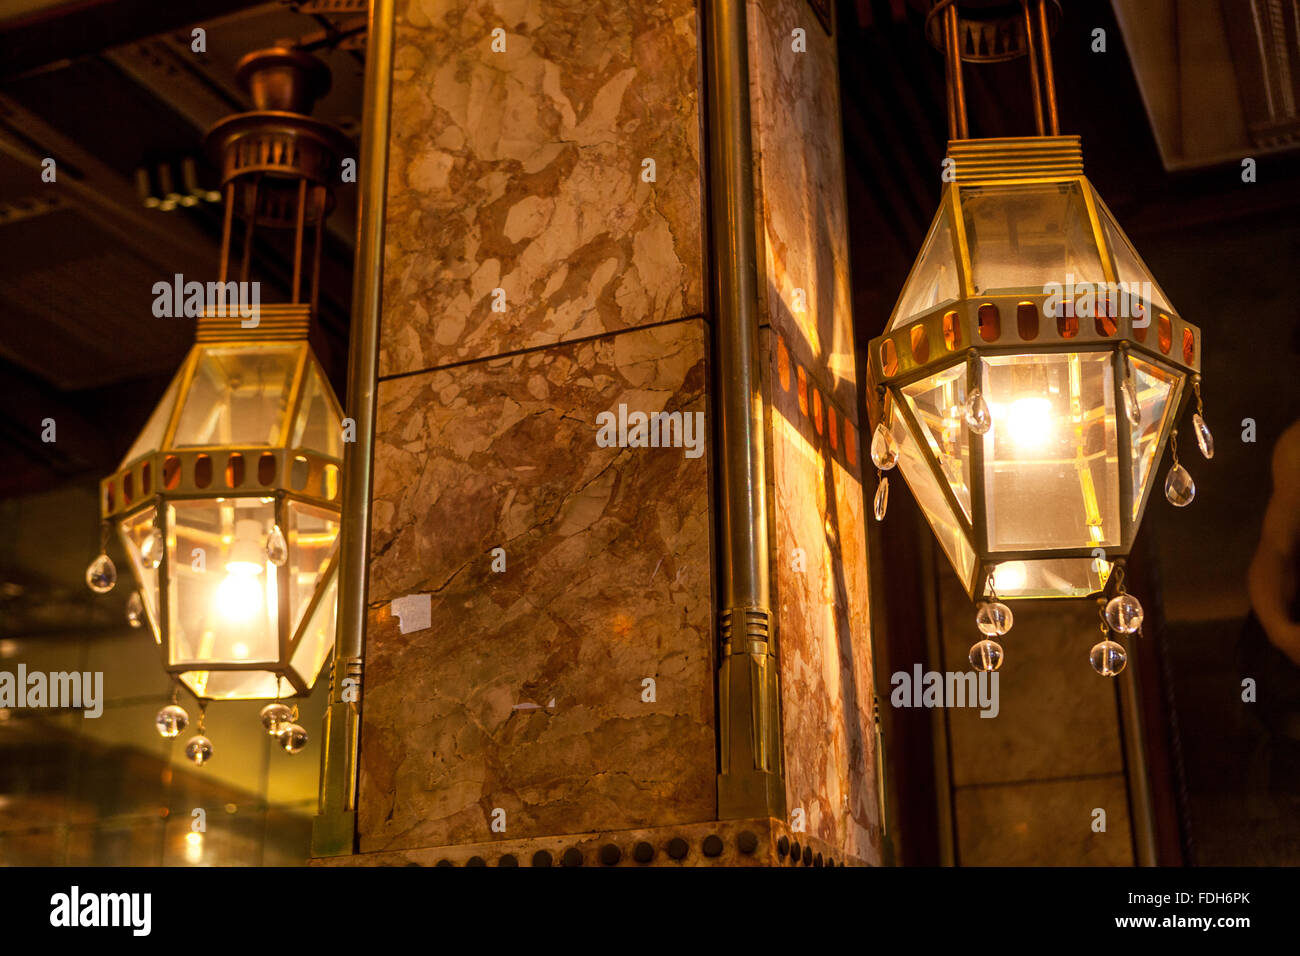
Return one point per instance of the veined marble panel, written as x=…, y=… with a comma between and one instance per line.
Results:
x=822, y=611
x=527, y=692
x=799, y=182
x=518, y=208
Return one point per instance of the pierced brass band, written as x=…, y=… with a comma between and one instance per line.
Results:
x=278, y=320
x=936, y=340
x=232, y=473
x=990, y=36
x=1016, y=158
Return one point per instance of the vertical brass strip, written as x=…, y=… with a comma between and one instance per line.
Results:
x=334, y=829
x=1049, y=76
x=954, y=41
x=750, y=778
x=1135, y=759
x=1033, y=69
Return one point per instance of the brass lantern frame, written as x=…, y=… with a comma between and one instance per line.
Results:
x=216, y=472
x=953, y=333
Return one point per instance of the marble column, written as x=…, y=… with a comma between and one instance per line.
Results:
x=545, y=266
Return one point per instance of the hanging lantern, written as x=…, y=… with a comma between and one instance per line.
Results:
x=228, y=502
x=1032, y=371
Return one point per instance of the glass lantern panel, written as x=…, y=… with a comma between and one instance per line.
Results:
x=1130, y=270
x=1051, y=468
x=134, y=530
x=239, y=396
x=1051, y=577
x=927, y=491
x=235, y=685
x=1023, y=237
x=934, y=278
x=319, y=427
x=312, y=533
x=223, y=596
x=937, y=403
x=317, y=639
x=1155, y=385
x=151, y=438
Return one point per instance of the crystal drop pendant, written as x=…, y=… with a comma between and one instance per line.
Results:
x=1124, y=613
x=151, y=551
x=135, y=610
x=171, y=720
x=277, y=552
x=986, y=655
x=976, y=412
x=994, y=618
x=884, y=450
x=1131, y=407
x=1108, y=658
x=101, y=575
x=275, y=717
x=1203, y=437
x=293, y=738
x=199, y=750
x=881, y=502
x=1179, y=487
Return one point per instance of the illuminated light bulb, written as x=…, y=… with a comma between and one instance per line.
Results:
x=239, y=651
x=1029, y=422
x=239, y=595
x=1010, y=576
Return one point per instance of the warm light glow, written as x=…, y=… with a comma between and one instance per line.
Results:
x=1009, y=577
x=239, y=596
x=193, y=847
x=1029, y=422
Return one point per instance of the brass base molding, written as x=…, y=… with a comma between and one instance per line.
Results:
x=763, y=841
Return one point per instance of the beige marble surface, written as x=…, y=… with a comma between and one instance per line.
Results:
x=522, y=171
x=608, y=581
x=799, y=181
x=820, y=593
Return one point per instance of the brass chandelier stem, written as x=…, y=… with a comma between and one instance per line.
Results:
x=1033, y=69
x=1045, y=37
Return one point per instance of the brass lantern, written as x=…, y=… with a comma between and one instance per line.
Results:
x=1032, y=370
x=228, y=502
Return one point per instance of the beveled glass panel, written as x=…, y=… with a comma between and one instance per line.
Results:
x=226, y=606
x=1130, y=270
x=1051, y=474
x=927, y=491
x=134, y=531
x=311, y=535
x=239, y=396
x=234, y=685
x=318, y=426
x=151, y=437
x=1020, y=238
x=937, y=404
x=318, y=636
x=1051, y=577
x=1155, y=385
x=934, y=278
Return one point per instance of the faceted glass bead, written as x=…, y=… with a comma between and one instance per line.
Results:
x=1124, y=613
x=1179, y=487
x=171, y=720
x=199, y=750
x=275, y=717
x=1108, y=658
x=884, y=450
x=986, y=655
x=277, y=552
x=1131, y=407
x=1204, y=440
x=101, y=575
x=976, y=412
x=151, y=551
x=135, y=610
x=293, y=738
x=881, y=503
x=994, y=618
